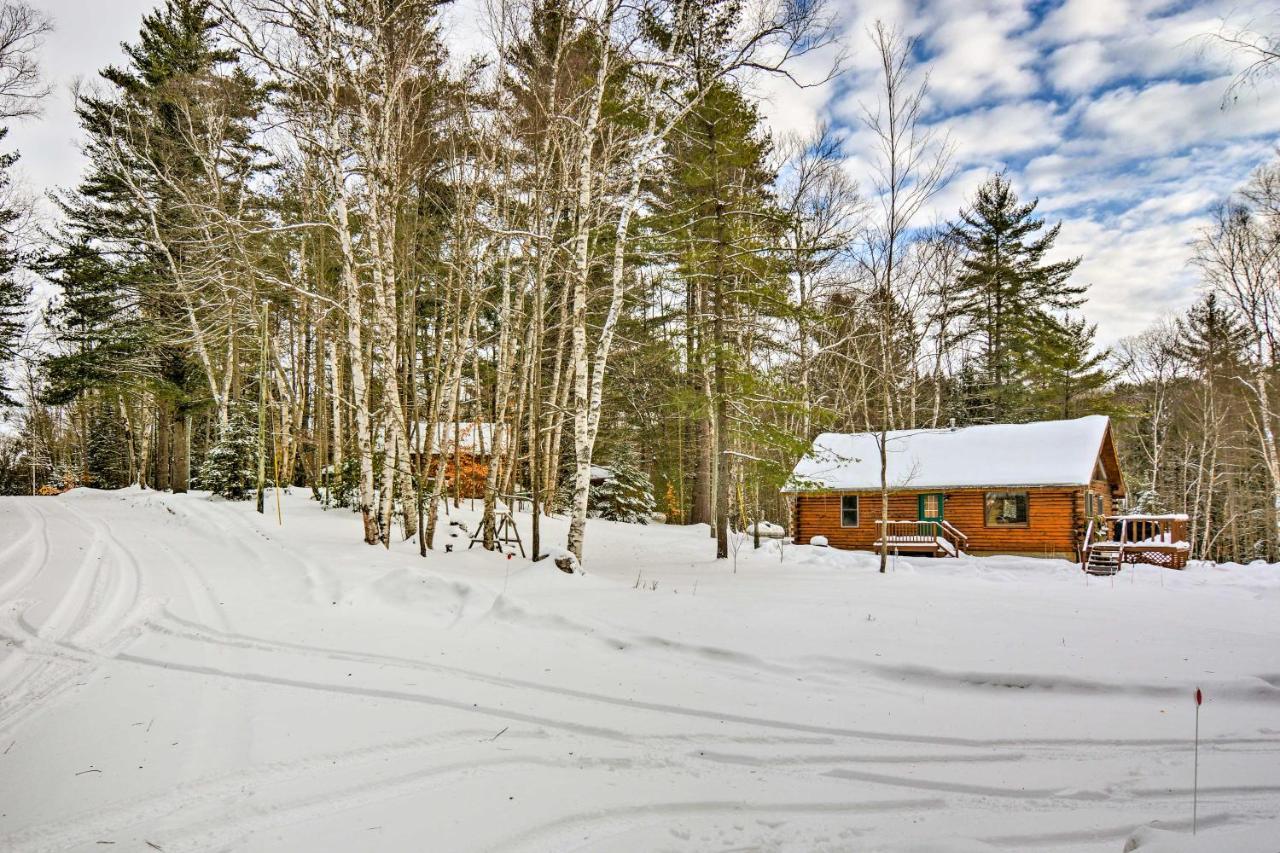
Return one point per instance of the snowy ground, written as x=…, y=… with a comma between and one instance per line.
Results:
x=185, y=673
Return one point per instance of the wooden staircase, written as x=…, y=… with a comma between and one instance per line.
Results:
x=1103, y=561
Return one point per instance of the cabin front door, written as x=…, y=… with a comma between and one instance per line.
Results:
x=929, y=506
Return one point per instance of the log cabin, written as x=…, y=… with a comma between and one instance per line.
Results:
x=1027, y=489
x=466, y=448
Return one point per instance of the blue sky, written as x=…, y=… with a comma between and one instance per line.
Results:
x=1110, y=111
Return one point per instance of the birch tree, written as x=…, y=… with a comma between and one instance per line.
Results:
x=911, y=165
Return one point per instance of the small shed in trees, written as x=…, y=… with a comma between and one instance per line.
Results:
x=466, y=448
x=1027, y=489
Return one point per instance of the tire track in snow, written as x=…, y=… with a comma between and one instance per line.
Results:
x=227, y=830
x=40, y=678
x=1116, y=833
x=117, y=606
x=936, y=677
x=865, y=758
x=100, y=603
x=553, y=834
x=222, y=833
x=36, y=559
x=204, y=633
x=1059, y=793
x=382, y=693
x=224, y=789
x=320, y=582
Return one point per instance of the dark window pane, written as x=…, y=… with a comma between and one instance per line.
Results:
x=849, y=511
x=1006, y=509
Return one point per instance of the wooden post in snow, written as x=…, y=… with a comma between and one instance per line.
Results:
x=262, y=413
x=1195, y=777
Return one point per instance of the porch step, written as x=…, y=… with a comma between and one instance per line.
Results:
x=1102, y=562
x=936, y=547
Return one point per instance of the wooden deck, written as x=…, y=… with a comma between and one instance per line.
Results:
x=937, y=538
x=1158, y=540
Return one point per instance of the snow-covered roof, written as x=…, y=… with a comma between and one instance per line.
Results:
x=473, y=438
x=1047, y=453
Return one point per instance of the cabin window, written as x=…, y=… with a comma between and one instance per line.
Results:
x=848, y=510
x=1006, y=509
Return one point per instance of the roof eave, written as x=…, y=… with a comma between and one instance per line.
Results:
x=917, y=487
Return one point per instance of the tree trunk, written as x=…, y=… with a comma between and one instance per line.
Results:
x=162, y=446
x=181, y=453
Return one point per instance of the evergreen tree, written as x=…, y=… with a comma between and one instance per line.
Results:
x=93, y=321
x=1062, y=370
x=168, y=139
x=13, y=291
x=106, y=463
x=562, y=498
x=1212, y=340
x=719, y=224
x=1008, y=292
x=628, y=494
x=230, y=466
x=344, y=484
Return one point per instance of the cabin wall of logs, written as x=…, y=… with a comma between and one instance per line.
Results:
x=1056, y=518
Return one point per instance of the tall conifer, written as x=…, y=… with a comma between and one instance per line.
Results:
x=1008, y=291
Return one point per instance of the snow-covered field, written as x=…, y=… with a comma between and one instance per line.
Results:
x=184, y=673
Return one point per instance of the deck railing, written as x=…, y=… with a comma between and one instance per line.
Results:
x=1159, y=539
x=1137, y=530
x=914, y=532
x=954, y=533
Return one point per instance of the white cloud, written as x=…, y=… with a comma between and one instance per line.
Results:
x=1136, y=276
x=1076, y=19
x=975, y=55
x=992, y=133
x=1080, y=67
x=1109, y=111
x=1166, y=116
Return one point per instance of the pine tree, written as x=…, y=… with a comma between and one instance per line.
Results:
x=106, y=464
x=168, y=139
x=1061, y=368
x=628, y=494
x=562, y=498
x=1211, y=339
x=344, y=484
x=92, y=320
x=13, y=291
x=1007, y=291
x=720, y=220
x=229, y=467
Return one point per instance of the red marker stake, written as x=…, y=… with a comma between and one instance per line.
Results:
x=1195, y=783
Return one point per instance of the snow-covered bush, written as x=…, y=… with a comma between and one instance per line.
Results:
x=820, y=541
x=628, y=494
x=768, y=530
x=230, y=466
x=564, y=560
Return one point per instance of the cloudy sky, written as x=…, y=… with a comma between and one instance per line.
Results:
x=1110, y=111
